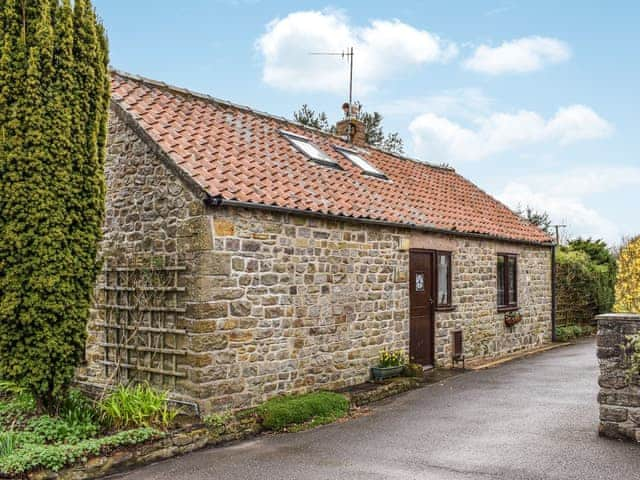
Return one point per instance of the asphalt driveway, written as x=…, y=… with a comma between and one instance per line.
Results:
x=534, y=418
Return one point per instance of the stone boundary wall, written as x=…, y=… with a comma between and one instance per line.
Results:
x=619, y=395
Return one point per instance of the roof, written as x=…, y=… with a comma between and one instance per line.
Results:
x=238, y=154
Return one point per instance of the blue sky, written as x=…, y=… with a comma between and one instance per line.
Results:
x=536, y=102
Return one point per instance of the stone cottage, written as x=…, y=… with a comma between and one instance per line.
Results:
x=248, y=256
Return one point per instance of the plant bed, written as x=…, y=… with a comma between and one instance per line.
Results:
x=33, y=441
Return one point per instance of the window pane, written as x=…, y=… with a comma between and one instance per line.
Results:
x=361, y=162
x=501, y=280
x=419, y=282
x=512, y=280
x=308, y=148
x=443, y=279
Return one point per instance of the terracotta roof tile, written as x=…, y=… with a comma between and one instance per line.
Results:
x=239, y=154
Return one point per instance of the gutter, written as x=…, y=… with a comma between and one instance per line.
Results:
x=218, y=201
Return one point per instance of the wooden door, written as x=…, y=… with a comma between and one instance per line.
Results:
x=421, y=283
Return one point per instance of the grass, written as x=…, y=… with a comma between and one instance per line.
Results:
x=78, y=428
x=298, y=412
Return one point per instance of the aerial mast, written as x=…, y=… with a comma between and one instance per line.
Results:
x=349, y=53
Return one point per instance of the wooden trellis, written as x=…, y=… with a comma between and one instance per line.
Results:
x=141, y=315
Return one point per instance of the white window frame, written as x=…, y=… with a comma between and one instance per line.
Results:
x=356, y=158
x=309, y=149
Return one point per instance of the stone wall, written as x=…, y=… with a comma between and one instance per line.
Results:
x=278, y=303
x=474, y=296
x=619, y=395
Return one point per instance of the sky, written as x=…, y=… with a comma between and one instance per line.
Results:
x=536, y=102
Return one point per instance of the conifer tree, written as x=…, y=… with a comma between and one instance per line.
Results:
x=54, y=94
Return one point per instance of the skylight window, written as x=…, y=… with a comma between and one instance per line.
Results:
x=357, y=159
x=309, y=149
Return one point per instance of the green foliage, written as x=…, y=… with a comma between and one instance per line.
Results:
x=8, y=443
x=571, y=332
x=17, y=409
x=295, y=412
x=54, y=97
x=374, y=133
x=584, y=288
x=217, y=420
x=413, y=370
x=29, y=441
x=53, y=457
x=306, y=116
x=628, y=282
x=60, y=430
x=388, y=358
x=632, y=355
x=8, y=388
x=539, y=219
x=597, y=250
x=137, y=406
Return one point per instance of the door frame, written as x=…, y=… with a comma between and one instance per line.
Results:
x=432, y=280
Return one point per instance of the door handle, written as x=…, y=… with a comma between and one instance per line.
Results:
x=431, y=301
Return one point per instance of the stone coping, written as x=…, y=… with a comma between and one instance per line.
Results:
x=619, y=317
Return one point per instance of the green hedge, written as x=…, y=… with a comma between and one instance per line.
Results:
x=584, y=288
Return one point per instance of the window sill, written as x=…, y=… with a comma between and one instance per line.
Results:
x=508, y=309
x=445, y=308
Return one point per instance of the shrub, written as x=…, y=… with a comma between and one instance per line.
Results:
x=628, y=280
x=388, y=358
x=291, y=412
x=584, y=288
x=138, y=406
x=53, y=112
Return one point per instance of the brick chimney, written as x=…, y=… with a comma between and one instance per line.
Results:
x=351, y=127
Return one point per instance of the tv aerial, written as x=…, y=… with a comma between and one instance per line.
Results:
x=349, y=54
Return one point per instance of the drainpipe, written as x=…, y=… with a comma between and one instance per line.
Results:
x=553, y=293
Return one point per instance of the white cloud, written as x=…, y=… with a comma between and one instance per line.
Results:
x=565, y=196
x=518, y=56
x=382, y=48
x=437, y=138
x=467, y=103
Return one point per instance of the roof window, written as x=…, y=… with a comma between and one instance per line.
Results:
x=357, y=159
x=305, y=145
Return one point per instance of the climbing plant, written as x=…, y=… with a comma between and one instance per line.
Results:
x=54, y=94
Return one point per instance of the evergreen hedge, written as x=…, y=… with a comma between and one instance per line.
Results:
x=584, y=288
x=54, y=97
